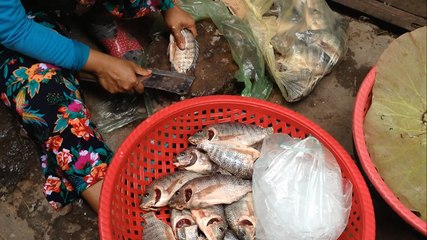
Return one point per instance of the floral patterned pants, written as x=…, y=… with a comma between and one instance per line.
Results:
x=49, y=105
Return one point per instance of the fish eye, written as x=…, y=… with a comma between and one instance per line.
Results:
x=221, y=229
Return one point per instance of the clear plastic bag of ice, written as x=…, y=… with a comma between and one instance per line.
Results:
x=298, y=191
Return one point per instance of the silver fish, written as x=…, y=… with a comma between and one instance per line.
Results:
x=188, y=233
x=247, y=134
x=192, y=159
x=159, y=191
x=181, y=219
x=183, y=60
x=156, y=229
x=222, y=171
x=235, y=158
x=240, y=217
x=210, y=190
x=211, y=221
x=229, y=235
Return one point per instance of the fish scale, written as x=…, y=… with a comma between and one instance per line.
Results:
x=183, y=60
x=188, y=233
x=236, y=158
x=246, y=134
x=240, y=217
x=156, y=229
x=210, y=190
x=211, y=221
x=236, y=166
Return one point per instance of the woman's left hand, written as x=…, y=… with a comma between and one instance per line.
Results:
x=177, y=19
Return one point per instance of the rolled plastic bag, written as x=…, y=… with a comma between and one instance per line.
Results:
x=113, y=113
x=298, y=191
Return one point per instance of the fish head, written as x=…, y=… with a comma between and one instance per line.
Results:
x=198, y=137
x=215, y=228
x=184, y=222
x=246, y=229
x=181, y=198
x=185, y=158
x=204, y=134
x=150, y=198
x=149, y=217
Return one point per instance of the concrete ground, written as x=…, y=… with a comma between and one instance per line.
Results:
x=24, y=213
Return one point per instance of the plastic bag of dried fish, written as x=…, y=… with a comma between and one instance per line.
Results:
x=301, y=41
x=307, y=196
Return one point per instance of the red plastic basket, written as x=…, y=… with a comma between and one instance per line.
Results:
x=148, y=151
x=363, y=102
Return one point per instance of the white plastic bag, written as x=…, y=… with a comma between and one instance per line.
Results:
x=298, y=191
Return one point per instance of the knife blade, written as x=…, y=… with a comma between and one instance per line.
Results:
x=164, y=80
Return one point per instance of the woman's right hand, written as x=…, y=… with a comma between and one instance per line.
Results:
x=114, y=74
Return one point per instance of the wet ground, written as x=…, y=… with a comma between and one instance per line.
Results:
x=26, y=215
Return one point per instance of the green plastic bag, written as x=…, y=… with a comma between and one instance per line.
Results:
x=243, y=45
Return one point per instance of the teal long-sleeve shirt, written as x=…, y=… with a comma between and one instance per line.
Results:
x=21, y=34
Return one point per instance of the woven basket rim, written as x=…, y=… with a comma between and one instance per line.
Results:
x=362, y=100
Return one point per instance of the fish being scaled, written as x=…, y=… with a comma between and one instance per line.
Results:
x=159, y=191
x=240, y=217
x=192, y=159
x=211, y=221
x=183, y=60
x=156, y=229
x=246, y=134
x=235, y=158
x=181, y=219
x=210, y=190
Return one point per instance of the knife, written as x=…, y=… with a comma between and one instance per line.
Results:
x=168, y=81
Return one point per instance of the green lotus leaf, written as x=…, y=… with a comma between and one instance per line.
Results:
x=396, y=123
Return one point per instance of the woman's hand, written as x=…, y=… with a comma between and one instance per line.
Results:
x=177, y=19
x=114, y=74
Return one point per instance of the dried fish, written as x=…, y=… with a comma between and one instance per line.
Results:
x=236, y=158
x=247, y=134
x=159, y=191
x=183, y=60
x=156, y=229
x=240, y=217
x=210, y=190
x=211, y=221
x=192, y=159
